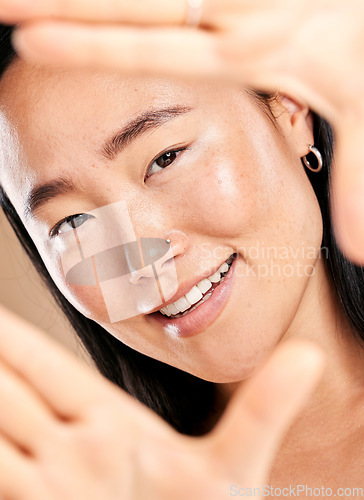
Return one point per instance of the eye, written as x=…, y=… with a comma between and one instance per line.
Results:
x=164, y=161
x=69, y=224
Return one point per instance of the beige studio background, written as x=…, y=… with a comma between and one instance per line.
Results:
x=22, y=291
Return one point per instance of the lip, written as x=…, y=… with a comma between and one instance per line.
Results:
x=186, y=287
x=205, y=314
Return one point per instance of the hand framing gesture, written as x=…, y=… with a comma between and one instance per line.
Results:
x=65, y=432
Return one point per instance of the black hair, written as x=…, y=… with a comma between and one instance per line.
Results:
x=184, y=401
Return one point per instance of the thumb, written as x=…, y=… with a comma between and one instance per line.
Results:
x=348, y=186
x=249, y=432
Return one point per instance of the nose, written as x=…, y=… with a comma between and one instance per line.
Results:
x=179, y=241
x=155, y=252
x=146, y=272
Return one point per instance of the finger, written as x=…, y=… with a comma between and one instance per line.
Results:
x=181, y=53
x=167, y=51
x=67, y=386
x=17, y=474
x=348, y=188
x=249, y=432
x=24, y=417
x=125, y=11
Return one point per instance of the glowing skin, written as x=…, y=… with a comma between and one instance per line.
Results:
x=106, y=255
x=236, y=186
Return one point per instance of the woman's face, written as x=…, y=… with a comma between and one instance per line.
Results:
x=206, y=168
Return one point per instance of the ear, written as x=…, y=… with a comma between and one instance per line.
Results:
x=296, y=122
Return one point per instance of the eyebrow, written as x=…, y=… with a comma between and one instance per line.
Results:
x=146, y=121
x=44, y=193
x=141, y=124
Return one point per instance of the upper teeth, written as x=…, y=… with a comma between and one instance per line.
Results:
x=196, y=293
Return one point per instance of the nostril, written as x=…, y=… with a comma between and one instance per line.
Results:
x=146, y=272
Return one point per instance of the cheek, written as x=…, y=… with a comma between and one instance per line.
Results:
x=87, y=299
x=224, y=198
x=110, y=283
x=106, y=302
x=227, y=195
x=256, y=194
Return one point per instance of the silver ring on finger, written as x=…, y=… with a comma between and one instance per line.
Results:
x=194, y=10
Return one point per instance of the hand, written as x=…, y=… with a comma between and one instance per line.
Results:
x=66, y=432
x=312, y=48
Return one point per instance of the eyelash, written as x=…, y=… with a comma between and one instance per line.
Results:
x=55, y=229
x=168, y=152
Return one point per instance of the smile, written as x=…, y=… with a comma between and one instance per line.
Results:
x=199, y=293
x=210, y=295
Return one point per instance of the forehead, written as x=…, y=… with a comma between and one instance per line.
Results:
x=59, y=116
x=43, y=104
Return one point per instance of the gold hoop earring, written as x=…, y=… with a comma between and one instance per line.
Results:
x=318, y=155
